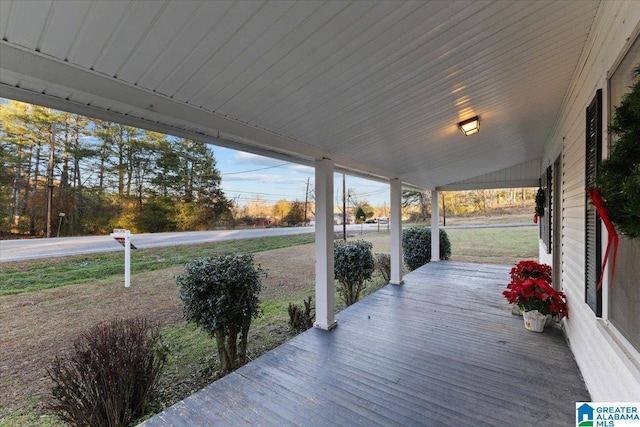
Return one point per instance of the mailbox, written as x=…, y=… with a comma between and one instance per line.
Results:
x=120, y=235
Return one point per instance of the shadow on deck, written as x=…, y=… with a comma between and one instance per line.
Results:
x=443, y=349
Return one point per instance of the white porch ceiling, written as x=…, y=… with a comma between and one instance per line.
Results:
x=378, y=87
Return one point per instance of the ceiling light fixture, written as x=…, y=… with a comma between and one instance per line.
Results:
x=470, y=126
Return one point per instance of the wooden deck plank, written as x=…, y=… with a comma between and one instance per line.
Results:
x=442, y=349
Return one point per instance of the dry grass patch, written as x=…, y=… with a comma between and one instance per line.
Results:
x=38, y=325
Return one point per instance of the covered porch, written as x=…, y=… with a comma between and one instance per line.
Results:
x=442, y=349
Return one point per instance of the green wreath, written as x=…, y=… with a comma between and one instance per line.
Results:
x=540, y=202
x=619, y=176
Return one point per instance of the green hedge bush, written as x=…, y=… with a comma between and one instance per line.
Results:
x=220, y=295
x=416, y=246
x=353, y=266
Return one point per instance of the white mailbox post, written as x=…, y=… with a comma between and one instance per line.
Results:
x=123, y=237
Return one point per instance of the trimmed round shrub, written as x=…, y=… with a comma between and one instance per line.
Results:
x=220, y=295
x=416, y=246
x=353, y=266
x=110, y=376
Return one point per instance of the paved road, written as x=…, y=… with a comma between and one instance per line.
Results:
x=25, y=249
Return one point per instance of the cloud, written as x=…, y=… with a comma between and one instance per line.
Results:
x=308, y=170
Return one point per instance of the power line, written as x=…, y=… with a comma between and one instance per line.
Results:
x=372, y=192
x=255, y=170
x=259, y=193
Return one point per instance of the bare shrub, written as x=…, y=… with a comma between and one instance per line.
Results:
x=383, y=265
x=110, y=376
x=299, y=319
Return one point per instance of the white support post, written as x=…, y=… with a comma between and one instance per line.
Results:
x=435, y=228
x=325, y=287
x=395, y=223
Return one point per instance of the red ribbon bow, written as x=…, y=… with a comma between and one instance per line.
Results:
x=601, y=209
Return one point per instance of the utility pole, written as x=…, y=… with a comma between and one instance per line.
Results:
x=344, y=209
x=306, y=200
x=444, y=211
x=52, y=147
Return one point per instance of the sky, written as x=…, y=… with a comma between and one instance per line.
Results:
x=246, y=175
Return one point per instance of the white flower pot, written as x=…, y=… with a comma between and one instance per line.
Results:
x=534, y=320
x=549, y=321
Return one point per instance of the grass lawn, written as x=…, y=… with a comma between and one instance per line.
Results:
x=45, y=304
x=494, y=245
x=35, y=275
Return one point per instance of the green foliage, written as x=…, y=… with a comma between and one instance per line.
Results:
x=296, y=213
x=105, y=166
x=96, y=215
x=220, y=295
x=353, y=266
x=383, y=265
x=363, y=210
x=416, y=246
x=110, y=376
x=619, y=175
x=32, y=416
x=6, y=158
x=300, y=319
x=155, y=216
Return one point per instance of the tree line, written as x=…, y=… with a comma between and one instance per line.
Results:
x=66, y=174
x=416, y=205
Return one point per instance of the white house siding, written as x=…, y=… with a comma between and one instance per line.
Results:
x=543, y=256
x=611, y=369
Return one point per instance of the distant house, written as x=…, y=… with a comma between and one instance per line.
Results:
x=263, y=221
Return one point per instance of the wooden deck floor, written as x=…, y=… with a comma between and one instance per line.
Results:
x=441, y=350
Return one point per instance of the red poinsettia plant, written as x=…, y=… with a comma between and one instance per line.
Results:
x=531, y=289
